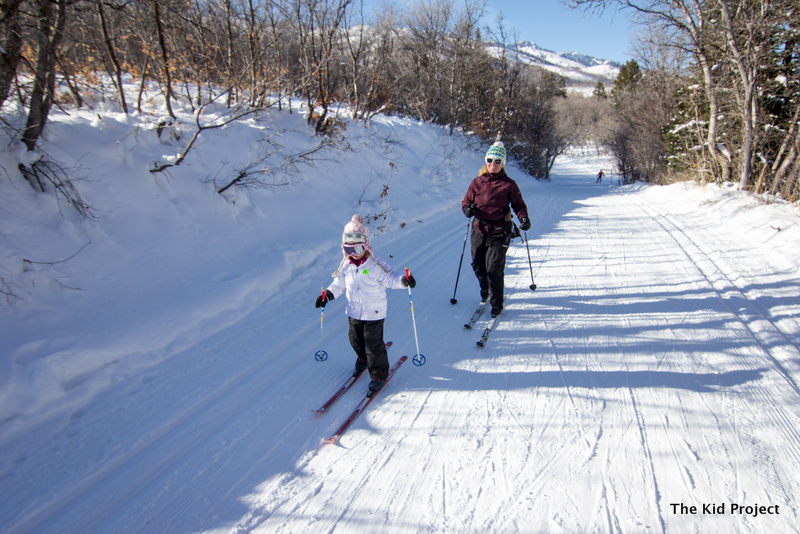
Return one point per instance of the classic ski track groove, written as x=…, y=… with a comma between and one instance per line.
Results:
x=746, y=314
x=180, y=423
x=727, y=290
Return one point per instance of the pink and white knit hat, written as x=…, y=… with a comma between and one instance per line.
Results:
x=356, y=231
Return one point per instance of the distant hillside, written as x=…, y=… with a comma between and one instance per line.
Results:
x=581, y=71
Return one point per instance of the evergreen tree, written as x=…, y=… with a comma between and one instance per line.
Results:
x=600, y=90
x=629, y=77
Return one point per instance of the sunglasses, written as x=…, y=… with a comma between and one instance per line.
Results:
x=495, y=161
x=356, y=249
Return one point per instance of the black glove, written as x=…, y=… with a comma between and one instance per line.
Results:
x=471, y=210
x=322, y=302
x=525, y=224
x=410, y=282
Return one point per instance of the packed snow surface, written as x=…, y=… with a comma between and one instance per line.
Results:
x=157, y=369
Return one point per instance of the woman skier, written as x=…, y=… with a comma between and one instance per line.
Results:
x=489, y=199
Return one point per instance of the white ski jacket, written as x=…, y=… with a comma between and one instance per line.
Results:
x=365, y=286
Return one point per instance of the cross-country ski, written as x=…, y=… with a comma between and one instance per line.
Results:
x=348, y=383
x=362, y=405
x=488, y=330
x=475, y=315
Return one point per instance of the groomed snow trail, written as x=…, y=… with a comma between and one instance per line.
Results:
x=649, y=370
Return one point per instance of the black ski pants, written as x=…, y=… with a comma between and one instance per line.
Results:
x=366, y=338
x=489, y=264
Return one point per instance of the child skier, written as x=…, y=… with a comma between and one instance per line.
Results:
x=364, y=278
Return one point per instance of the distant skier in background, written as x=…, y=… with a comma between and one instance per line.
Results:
x=364, y=278
x=489, y=199
x=600, y=177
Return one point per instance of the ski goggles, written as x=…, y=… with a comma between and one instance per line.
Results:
x=495, y=161
x=353, y=249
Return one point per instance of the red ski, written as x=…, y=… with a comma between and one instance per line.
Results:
x=342, y=390
x=363, y=404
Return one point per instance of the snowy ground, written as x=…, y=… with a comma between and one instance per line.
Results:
x=650, y=383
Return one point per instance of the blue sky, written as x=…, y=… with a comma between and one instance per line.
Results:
x=551, y=25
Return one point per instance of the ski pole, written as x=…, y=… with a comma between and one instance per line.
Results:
x=321, y=355
x=419, y=359
x=533, y=284
x=463, y=248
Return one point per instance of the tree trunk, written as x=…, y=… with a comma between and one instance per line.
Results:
x=713, y=116
x=114, y=61
x=229, y=49
x=48, y=38
x=168, y=96
x=747, y=75
x=11, y=45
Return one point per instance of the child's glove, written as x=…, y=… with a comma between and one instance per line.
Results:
x=321, y=302
x=409, y=282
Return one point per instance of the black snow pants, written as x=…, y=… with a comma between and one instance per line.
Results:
x=366, y=338
x=489, y=263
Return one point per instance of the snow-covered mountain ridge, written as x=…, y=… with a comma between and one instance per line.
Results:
x=581, y=70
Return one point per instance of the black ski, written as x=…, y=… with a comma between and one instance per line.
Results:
x=490, y=328
x=488, y=332
x=476, y=315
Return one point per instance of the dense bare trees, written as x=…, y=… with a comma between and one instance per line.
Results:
x=429, y=62
x=723, y=107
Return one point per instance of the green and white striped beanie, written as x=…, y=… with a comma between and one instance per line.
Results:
x=497, y=150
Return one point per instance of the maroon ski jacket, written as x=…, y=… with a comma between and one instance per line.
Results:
x=492, y=194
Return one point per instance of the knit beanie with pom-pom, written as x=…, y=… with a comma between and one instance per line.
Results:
x=497, y=151
x=356, y=231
